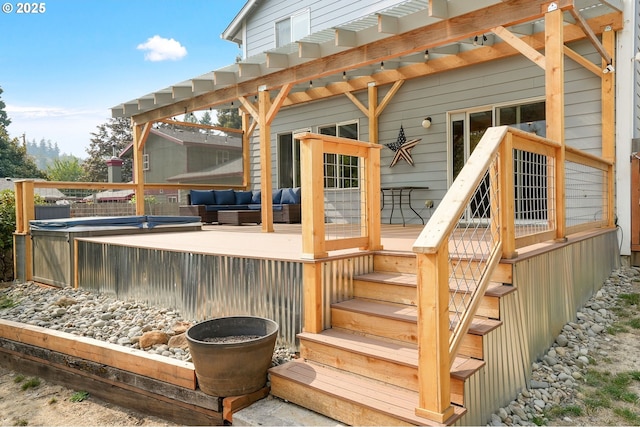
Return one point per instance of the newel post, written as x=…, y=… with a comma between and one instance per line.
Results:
x=433, y=335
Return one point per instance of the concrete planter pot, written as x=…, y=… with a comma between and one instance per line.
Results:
x=228, y=367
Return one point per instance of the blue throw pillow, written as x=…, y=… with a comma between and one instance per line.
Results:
x=202, y=197
x=291, y=196
x=277, y=195
x=243, y=197
x=225, y=197
x=256, y=198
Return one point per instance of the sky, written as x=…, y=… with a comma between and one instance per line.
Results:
x=62, y=69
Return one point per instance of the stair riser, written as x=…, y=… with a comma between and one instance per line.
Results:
x=396, y=329
x=489, y=306
x=401, y=375
x=405, y=264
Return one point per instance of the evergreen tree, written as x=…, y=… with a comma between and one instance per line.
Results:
x=116, y=133
x=14, y=162
x=4, y=119
x=229, y=118
x=206, y=119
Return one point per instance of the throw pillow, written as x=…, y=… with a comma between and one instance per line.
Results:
x=256, y=198
x=277, y=195
x=243, y=197
x=291, y=196
x=202, y=197
x=225, y=197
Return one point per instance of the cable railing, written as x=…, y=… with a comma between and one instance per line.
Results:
x=505, y=197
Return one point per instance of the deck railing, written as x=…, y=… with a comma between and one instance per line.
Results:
x=505, y=197
x=341, y=194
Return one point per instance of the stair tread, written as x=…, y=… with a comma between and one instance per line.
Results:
x=375, y=395
x=396, y=351
x=407, y=313
x=408, y=279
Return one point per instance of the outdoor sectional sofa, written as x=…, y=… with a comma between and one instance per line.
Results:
x=207, y=203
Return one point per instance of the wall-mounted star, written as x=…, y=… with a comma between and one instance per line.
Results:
x=402, y=147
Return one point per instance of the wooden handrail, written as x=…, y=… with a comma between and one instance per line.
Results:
x=455, y=201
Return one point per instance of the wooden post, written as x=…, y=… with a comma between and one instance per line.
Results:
x=312, y=297
x=554, y=85
x=506, y=196
x=433, y=335
x=264, y=102
x=246, y=140
x=28, y=212
x=372, y=173
x=608, y=125
x=313, y=227
x=140, y=133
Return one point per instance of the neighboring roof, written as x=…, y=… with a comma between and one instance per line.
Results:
x=111, y=196
x=231, y=168
x=235, y=26
x=184, y=137
x=48, y=194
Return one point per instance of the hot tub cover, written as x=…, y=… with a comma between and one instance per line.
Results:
x=138, y=221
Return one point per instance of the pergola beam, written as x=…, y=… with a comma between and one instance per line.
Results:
x=463, y=59
x=420, y=39
x=590, y=34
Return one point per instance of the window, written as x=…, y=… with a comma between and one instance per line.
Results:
x=145, y=162
x=222, y=156
x=289, y=159
x=340, y=171
x=293, y=28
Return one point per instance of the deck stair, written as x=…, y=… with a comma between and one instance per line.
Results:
x=364, y=370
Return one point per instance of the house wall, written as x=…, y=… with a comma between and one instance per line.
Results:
x=505, y=81
x=324, y=14
x=166, y=159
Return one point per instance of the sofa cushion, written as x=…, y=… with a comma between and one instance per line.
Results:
x=291, y=196
x=243, y=197
x=256, y=197
x=225, y=197
x=202, y=197
x=277, y=195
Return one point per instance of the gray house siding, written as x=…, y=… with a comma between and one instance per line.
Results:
x=323, y=14
x=507, y=81
x=165, y=159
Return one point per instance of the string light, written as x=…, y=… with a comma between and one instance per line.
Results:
x=344, y=75
x=382, y=66
x=310, y=84
x=426, y=55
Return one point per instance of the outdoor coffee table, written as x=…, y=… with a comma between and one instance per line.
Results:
x=239, y=217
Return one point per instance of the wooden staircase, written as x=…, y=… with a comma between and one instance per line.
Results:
x=364, y=370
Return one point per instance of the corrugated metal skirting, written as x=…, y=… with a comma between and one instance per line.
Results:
x=551, y=287
x=203, y=286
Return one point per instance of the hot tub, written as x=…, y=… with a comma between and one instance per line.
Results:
x=53, y=246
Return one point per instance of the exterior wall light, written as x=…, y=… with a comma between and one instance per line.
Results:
x=426, y=123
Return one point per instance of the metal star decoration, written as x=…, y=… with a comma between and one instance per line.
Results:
x=402, y=148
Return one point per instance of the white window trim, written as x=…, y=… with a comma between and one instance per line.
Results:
x=146, y=165
x=336, y=125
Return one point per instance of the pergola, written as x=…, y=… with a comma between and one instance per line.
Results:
x=414, y=39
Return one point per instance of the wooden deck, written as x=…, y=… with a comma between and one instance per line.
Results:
x=285, y=243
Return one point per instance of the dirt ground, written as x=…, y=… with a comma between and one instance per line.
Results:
x=49, y=404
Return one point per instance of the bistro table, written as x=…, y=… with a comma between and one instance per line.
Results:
x=403, y=194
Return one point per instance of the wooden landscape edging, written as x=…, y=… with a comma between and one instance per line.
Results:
x=126, y=389
x=131, y=378
x=128, y=359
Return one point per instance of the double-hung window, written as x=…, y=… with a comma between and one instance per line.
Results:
x=340, y=171
x=293, y=28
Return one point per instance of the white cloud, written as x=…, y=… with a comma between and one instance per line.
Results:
x=161, y=49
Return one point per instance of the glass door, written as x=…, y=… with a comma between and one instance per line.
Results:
x=466, y=130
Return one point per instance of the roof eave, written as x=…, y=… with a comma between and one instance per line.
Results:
x=234, y=27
